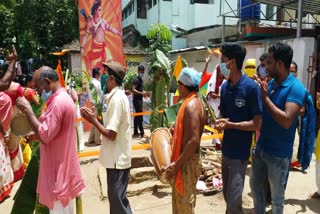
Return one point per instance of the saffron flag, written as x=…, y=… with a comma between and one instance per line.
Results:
x=177, y=68
x=59, y=72
x=215, y=52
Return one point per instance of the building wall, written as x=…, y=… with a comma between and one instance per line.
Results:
x=303, y=49
x=142, y=26
x=133, y=61
x=178, y=43
x=74, y=62
x=125, y=3
x=152, y=15
x=202, y=37
x=185, y=15
x=182, y=13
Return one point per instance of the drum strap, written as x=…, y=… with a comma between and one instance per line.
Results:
x=177, y=140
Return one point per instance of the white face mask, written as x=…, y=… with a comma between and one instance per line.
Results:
x=141, y=75
x=223, y=68
x=45, y=96
x=262, y=72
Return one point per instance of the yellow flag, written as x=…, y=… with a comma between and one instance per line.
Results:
x=177, y=68
x=177, y=93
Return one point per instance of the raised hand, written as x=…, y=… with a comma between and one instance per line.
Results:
x=264, y=88
x=13, y=56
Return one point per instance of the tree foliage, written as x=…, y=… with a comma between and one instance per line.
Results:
x=160, y=38
x=40, y=26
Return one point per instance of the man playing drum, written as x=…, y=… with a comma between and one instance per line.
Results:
x=185, y=163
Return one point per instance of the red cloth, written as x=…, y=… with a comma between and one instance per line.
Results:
x=6, y=177
x=205, y=78
x=15, y=90
x=96, y=56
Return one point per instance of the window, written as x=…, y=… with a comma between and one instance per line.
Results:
x=270, y=12
x=124, y=14
x=201, y=1
x=149, y=3
x=141, y=9
x=129, y=10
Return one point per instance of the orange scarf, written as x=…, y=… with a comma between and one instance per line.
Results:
x=177, y=140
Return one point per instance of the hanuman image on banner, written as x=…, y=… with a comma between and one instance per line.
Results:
x=100, y=33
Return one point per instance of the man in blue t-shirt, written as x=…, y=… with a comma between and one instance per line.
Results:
x=241, y=110
x=282, y=99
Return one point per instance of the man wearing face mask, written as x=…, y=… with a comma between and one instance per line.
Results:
x=261, y=70
x=59, y=179
x=138, y=94
x=241, y=109
x=115, y=151
x=45, y=95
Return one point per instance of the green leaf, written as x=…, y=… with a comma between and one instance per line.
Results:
x=128, y=79
x=163, y=60
x=171, y=113
x=156, y=118
x=25, y=200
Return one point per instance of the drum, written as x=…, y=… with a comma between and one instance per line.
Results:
x=160, y=142
x=20, y=124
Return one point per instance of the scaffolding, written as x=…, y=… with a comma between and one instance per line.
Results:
x=301, y=6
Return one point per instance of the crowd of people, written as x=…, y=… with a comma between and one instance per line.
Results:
x=259, y=116
x=257, y=108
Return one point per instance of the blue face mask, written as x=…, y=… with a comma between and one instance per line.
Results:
x=141, y=75
x=224, y=70
x=45, y=96
x=262, y=71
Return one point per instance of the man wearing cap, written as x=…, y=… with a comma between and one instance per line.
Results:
x=115, y=151
x=185, y=162
x=241, y=110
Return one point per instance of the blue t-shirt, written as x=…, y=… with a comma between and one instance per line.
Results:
x=240, y=102
x=274, y=139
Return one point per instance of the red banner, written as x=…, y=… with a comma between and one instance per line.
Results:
x=100, y=24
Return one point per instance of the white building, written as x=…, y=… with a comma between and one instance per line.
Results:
x=187, y=16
